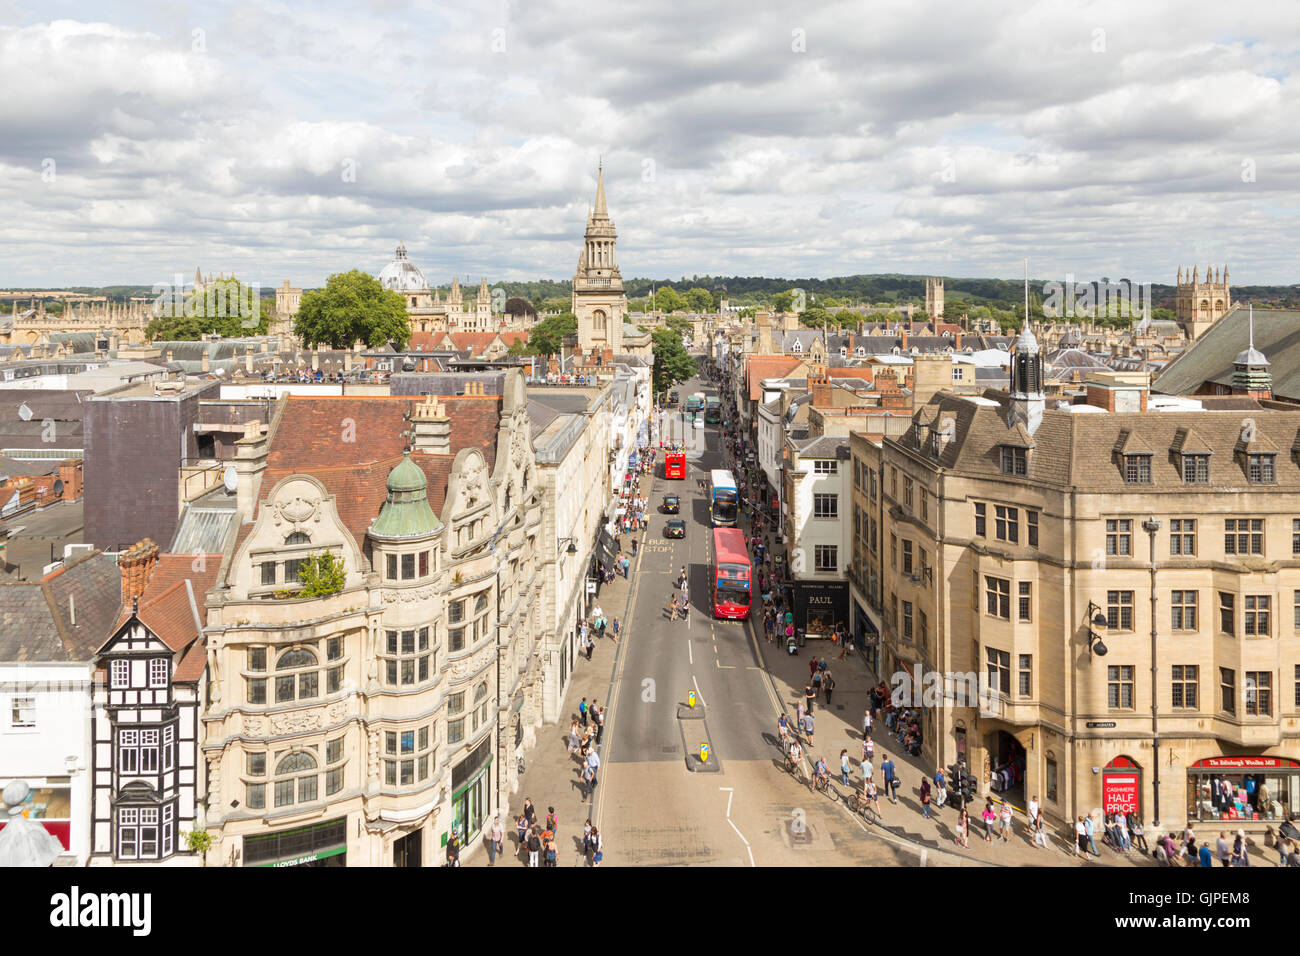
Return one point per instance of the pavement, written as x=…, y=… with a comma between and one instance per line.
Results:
x=653, y=810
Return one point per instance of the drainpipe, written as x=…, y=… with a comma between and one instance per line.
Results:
x=1151, y=526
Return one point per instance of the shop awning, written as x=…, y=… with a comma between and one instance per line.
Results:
x=606, y=550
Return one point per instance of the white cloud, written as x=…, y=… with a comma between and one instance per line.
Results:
x=916, y=137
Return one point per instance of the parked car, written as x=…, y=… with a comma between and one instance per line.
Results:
x=673, y=398
x=676, y=528
x=672, y=504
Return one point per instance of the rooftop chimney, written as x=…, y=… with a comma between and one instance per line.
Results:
x=250, y=463
x=430, y=426
x=137, y=564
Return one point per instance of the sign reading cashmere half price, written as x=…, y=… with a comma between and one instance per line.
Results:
x=1119, y=792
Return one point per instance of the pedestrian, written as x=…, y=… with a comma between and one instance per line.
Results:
x=1080, y=839
x=940, y=788
x=586, y=839
x=868, y=747
x=1006, y=821
x=1222, y=850
x=1205, y=857
x=530, y=812
x=1136, y=831
x=799, y=712
x=808, y=727
x=588, y=775
x=593, y=764
x=844, y=767
x=600, y=723
x=1088, y=828
x=453, y=848
x=812, y=669
x=521, y=832
x=552, y=851
x=597, y=846
x=990, y=817
x=552, y=823
x=828, y=685
x=866, y=723
x=810, y=697
x=616, y=628
x=591, y=646
x=1240, y=853
x=1040, y=834
x=1033, y=810
x=574, y=736
x=582, y=711
x=963, y=829
x=868, y=772
x=925, y=797
x=887, y=771
x=817, y=681
x=672, y=608
x=534, y=846
x=496, y=839
x=681, y=578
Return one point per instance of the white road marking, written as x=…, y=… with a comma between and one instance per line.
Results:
x=690, y=653
x=739, y=834
x=697, y=689
x=731, y=791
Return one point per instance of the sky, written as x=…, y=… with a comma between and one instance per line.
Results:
x=291, y=141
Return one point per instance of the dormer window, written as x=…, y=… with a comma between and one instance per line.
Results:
x=1137, y=469
x=797, y=347
x=1196, y=469
x=1259, y=469
x=1015, y=460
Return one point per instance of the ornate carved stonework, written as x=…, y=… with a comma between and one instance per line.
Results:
x=472, y=481
x=473, y=664
x=373, y=758
x=338, y=710
x=253, y=726
x=408, y=596
x=292, y=723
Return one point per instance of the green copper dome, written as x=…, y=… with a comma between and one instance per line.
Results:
x=406, y=513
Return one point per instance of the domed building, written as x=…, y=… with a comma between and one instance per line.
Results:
x=427, y=310
x=404, y=276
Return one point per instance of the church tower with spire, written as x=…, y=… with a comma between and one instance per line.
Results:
x=598, y=299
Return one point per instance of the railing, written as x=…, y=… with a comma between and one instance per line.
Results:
x=206, y=473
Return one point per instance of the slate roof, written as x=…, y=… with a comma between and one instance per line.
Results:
x=1210, y=358
x=1081, y=451
x=824, y=446
x=36, y=616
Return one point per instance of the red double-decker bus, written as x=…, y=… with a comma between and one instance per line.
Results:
x=731, y=574
x=675, y=464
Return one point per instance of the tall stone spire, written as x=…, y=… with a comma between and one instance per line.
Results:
x=600, y=212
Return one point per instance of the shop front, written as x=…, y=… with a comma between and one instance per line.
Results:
x=471, y=797
x=1245, y=789
x=321, y=844
x=49, y=803
x=866, y=636
x=1121, y=787
x=819, y=609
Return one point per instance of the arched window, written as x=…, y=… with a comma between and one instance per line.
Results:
x=481, y=602
x=479, y=717
x=298, y=537
x=296, y=779
x=302, y=682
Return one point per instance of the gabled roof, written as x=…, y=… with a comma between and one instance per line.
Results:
x=1210, y=358
x=62, y=617
x=759, y=367
x=169, y=611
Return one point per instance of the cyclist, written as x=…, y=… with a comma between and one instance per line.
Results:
x=783, y=729
x=796, y=757
x=872, y=796
x=822, y=777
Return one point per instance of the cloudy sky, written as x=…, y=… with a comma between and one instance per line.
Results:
x=283, y=140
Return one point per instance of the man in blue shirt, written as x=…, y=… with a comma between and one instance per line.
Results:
x=891, y=785
x=1207, y=858
x=941, y=788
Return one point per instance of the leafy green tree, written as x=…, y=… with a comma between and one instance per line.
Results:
x=844, y=318
x=553, y=305
x=668, y=299
x=672, y=364
x=680, y=324
x=226, y=306
x=353, y=306
x=782, y=301
x=321, y=574
x=815, y=317
x=700, y=300
x=547, y=336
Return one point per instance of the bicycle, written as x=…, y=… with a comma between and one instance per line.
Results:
x=859, y=803
x=822, y=784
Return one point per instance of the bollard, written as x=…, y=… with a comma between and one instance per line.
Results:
x=690, y=699
x=704, y=753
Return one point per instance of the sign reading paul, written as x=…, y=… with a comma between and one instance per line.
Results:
x=819, y=607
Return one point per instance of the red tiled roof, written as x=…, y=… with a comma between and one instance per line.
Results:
x=424, y=341
x=510, y=338
x=308, y=440
x=759, y=367
x=474, y=342
x=165, y=607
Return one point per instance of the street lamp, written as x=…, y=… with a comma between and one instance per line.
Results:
x=573, y=545
x=1096, y=620
x=1151, y=526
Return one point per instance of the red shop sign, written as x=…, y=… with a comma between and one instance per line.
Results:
x=1244, y=763
x=1121, y=791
